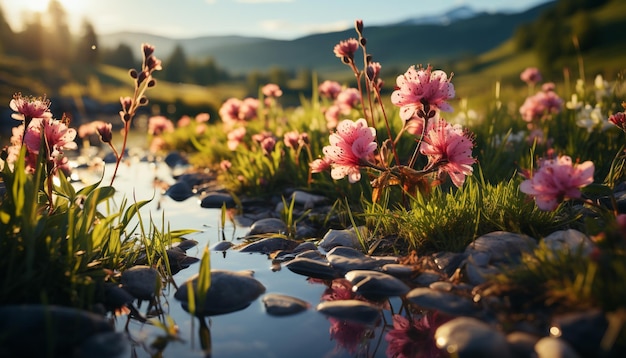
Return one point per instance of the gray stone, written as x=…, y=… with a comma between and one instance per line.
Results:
x=350, y=310
x=570, y=241
x=179, y=191
x=582, y=330
x=185, y=244
x=283, y=305
x=376, y=284
x=334, y=238
x=477, y=275
x=427, y=278
x=442, y=286
x=311, y=267
x=304, y=232
x=141, y=281
x=268, y=226
x=306, y=200
x=466, y=337
x=445, y=302
x=398, y=270
x=522, y=344
x=230, y=291
x=216, y=200
x=448, y=262
x=305, y=246
x=550, y=347
x=44, y=330
x=346, y=259
x=221, y=246
x=502, y=246
x=269, y=245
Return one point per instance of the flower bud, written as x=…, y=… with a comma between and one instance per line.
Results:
x=152, y=82
x=104, y=131
x=358, y=24
x=133, y=73
x=363, y=41
x=143, y=100
x=147, y=49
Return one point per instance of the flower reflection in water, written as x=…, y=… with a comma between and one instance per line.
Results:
x=414, y=337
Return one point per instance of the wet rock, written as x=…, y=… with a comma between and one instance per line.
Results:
x=306, y=200
x=216, y=200
x=175, y=159
x=268, y=226
x=522, y=344
x=501, y=246
x=141, y=281
x=426, y=278
x=221, y=246
x=305, y=246
x=104, y=345
x=582, y=330
x=569, y=240
x=186, y=244
x=441, y=286
x=467, y=337
x=315, y=268
x=283, y=305
x=304, y=232
x=347, y=259
x=334, y=238
x=477, y=275
x=550, y=347
x=398, y=270
x=448, y=262
x=230, y=291
x=179, y=260
x=41, y=330
x=376, y=284
x=270, y=245
x=179, y=191
x=350, y=310
x=444, y=302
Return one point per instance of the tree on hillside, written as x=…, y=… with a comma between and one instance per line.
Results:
x=30, y=40
x=58, y=44
x=7, y=43
x=87, y=51
x=122, y=56
x=175, y=68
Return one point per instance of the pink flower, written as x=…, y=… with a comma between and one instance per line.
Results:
x=268, y=144
x=449, y=147
x=557, y=180
x=271, y=90
x=225, y=165
x=541, y=105
x=235, y=137
x=248, y=109
x=332, y=116
x=229, y=111
x=619, y=119
x=183, y=122
x=420, y=91
x=58, y=137
x=531, y=76
x=414, y=338
x=319, y=165
x=159, y=124
x=351, y=145
x=202, y=117
x=28, y=108
x=348, y=99
x=157, y=144
x=104, y=131
x=345, y=50
x=329, y=89
x=348, y=335
x=292, y=139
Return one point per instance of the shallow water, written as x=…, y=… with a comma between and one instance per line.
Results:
x=250, y=332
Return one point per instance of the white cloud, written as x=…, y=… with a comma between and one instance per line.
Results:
x=303, y=28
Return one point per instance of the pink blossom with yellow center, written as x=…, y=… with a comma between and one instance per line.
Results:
x=557, y=180
x=417, y=87
x=29, y=107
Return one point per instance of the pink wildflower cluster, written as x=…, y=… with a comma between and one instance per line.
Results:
x=531, y=76
x=345, y=101
x=557, y=180
x=266, y=140
x=541, y=105
x=619, y=118
x=351, y=146
x=420, y=91
x=449, y=148
x=295, y=139
x=39, y=125
x=158, y=125
x=234, y=110
x=329, y=89
x=235, y=137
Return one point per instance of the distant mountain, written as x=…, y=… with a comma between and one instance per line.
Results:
x=450, y=16
x=467, y=34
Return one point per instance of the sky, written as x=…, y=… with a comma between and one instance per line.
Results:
x=278, y=19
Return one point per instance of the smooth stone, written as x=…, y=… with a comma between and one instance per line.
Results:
x=141, y=281
x=270, y=245
x=522, y=344
x=31, y=330
x=185, y=244
x=477, y=275
x=334, y=238
x=179, y=260
x=467, y=337
x=221, y=246
x=582, y=330
x=350, y=310
x=480, y=258
x=569, y=240
x=347, y=259
x=306, y=200
x=304, y=232
x=441, y=286
x=376, y=284
x=305, y=246
x=502, y=246
x=175, y=159
x=445, y=302
x=283, y=305
x=310, y=267
x=179, y=191
x=448, y=262
x=104, y=345
x=216, y=200
x=398, y=270
x=230, y=291
x=551, y=347
x=267, y=226
x=427, y=278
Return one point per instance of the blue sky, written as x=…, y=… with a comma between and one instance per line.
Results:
x=280, y=19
